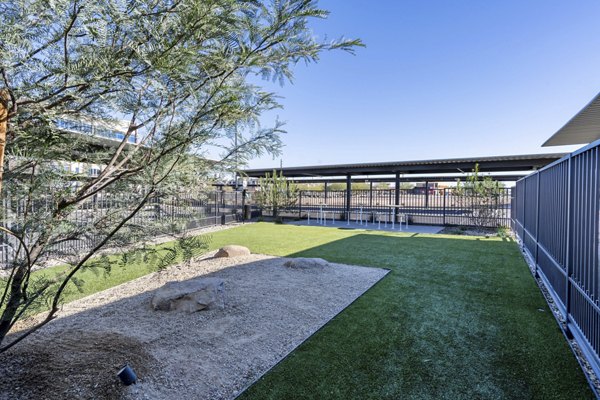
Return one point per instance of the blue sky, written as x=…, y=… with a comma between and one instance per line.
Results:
x=440, y=79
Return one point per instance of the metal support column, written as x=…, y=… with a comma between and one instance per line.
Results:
x=348, y=194
x=444, y=209
x=396, y=196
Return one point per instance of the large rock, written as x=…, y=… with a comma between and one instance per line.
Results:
x=233, y=251
x=306, y=263
x=190, y=296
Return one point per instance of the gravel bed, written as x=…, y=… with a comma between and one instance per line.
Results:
x=214, y=354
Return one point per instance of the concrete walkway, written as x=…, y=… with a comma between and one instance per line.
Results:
x=370, y=226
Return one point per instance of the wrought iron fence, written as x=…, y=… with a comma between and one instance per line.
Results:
x=188, y=212
x=556, y=217
x=433, y=207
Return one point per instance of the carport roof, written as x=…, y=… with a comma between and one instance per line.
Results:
x=509, y=163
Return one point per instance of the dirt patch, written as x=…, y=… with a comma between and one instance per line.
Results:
x=75, y=365
x=211, y=354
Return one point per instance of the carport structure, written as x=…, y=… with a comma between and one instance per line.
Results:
x=508, y=168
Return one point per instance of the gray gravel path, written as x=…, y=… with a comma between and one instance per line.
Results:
x=270, y=309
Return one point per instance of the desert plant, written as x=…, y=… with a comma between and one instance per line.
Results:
x=481, y=195
x=182, y=75
x=276, y=193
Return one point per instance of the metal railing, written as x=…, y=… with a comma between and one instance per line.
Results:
x=187, y=212
x=433, y=207
x=556, y=217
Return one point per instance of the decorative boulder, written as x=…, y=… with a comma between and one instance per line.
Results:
x=190, y=296
x=233, y=251
x=306, y=263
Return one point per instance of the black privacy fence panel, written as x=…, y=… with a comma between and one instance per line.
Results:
x=557, y=219
x=433, y=207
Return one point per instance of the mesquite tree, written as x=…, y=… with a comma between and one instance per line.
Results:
x=181, y=72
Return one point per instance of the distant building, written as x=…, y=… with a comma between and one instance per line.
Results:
x=105, y=133
x=431, y=187
x=115, y=131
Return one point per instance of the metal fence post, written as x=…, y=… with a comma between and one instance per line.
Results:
x=243, y=205
x=300, y=204
x=173, y=205
x=396, y=196
x=537, y=222
x=524, y=185
x=216, y=208
x=496, y=208
x=444, y=207
x=568, y=244
x=348, y=195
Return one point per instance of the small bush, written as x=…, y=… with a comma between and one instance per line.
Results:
x=503, y=231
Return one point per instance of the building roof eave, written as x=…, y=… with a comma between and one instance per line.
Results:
x=583, y=128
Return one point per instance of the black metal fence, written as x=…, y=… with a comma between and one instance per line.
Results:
x=433, y=207
x=556, y=216
x=188, y=212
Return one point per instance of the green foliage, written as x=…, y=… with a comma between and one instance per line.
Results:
x=478, y=185
x=310, y=186
x=360, y=186
x=337, y=186
x=503, y=232
x=192, y=246
x=276, y=193
x=180, y=74
x=480, y=193
x=102, y=263
x=184, y=247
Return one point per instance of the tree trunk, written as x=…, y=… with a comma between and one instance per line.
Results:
x=3, y=128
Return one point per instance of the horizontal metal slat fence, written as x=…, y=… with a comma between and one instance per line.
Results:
x=557, y=220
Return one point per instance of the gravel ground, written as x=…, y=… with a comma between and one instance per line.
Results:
x=214, y=354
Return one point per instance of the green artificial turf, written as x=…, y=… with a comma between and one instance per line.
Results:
x=457, y=317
